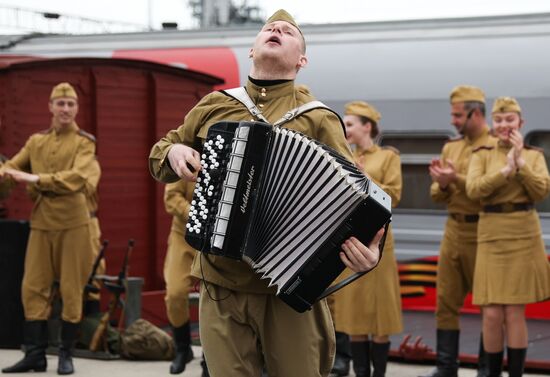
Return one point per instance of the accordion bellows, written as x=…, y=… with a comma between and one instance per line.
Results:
x=283, y=203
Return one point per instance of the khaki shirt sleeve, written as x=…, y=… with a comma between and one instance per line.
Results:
x=331, y=133
x=21, y=161
x=438, y=194
x=393, y=181
x=74, y=179
x=92, y=180
x=175, y=201
x=187, y=134
x=535, y=178
x=479, y=183
x=460, y=182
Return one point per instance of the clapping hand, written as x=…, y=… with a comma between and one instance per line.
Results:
x=517, y=146
x=444, y=175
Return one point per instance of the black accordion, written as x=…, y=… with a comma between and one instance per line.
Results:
x=283, y=203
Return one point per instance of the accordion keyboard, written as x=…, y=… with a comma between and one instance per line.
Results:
x=214, y=158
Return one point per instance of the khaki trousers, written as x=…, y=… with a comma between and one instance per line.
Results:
x=455, y=272
x=241, y=332
x=61, y=255
x=177, y=275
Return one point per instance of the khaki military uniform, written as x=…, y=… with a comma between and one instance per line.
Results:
x=179, y=257
x=372, y=304
x=59, y=246
x=457, y=256
x=92, y=200
x=239, y=312
x=512, y=266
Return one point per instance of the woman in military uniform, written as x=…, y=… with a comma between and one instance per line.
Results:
x=371, y=306
x=512, y=268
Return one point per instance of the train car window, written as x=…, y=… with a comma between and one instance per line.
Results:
x=417, y=150
x=541, y=139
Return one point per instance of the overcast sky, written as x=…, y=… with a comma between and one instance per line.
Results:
x=318, y=11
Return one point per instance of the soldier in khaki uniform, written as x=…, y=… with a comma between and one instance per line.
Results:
x=177, y=272
x=243, y=323
x=512, y=268
x=57, y=162
x=371, y=306
x=456, y=264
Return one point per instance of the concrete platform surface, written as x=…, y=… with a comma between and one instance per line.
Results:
x=125, y=368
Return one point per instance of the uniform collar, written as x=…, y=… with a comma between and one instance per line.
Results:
x=372, y=149
x=482, y=135
x=503, y=146
x=58, y=129
x=257, y=92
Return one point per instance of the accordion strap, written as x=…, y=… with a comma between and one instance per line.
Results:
x=291, y=114
x=242, y=96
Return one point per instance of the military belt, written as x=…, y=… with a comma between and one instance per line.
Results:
x=464, y=218
x=49, y=194
x=508, y=207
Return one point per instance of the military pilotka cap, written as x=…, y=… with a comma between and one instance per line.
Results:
x=362, y=108
x=467, y=93
x=506, y=105
x=283, y=15
x=63, y=90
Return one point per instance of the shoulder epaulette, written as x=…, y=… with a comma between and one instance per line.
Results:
x=87, y=135
x=531, y=147
x=458, y=138
x=486, y=147
x=390, y=148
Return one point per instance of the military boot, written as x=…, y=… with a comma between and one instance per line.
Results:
x=446, y=359
x=482, y=367
x=379, y=356
x=360, y=354
x=494, y=362
x=36, y=342
x=184, y=353
x=342, y=357
x=516, y=361
x=69, y=332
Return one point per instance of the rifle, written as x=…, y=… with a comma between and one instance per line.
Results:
x=117, y=286
x=90, y=287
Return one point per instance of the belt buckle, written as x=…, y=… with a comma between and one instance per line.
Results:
x=508, y=207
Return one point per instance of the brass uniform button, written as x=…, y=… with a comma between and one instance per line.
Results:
x=261, y=105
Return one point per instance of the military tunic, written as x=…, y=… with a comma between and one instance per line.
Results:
x=238, y=310
x=179, y=256
x=372, y=304
x=512, y=266
x=59, y=246
x=457, y=256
